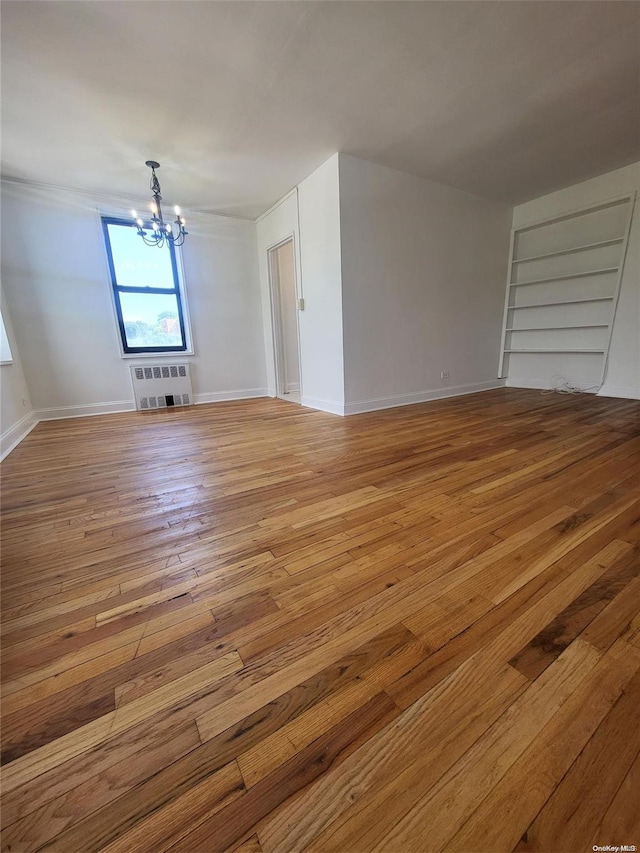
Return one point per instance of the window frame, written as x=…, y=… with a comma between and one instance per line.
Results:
x=117, y=289
x=6, y=356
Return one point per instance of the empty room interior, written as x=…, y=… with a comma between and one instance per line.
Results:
x=320, y=426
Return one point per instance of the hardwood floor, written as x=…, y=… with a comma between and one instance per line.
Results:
x=255, y=627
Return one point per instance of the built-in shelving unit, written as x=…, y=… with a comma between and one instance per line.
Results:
x=562, y=292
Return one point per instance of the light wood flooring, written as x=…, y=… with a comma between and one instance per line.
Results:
x=255, y=627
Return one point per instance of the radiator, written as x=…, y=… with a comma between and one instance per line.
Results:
x=162, y=386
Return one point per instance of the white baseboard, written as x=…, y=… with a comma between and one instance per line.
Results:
x=116, y=406
x=222, y=396
x=12, y=437
x=626, y=392
x=329, y=406
x=87, y=410
x=377, y=403
x=533, y=384
x=541, y=385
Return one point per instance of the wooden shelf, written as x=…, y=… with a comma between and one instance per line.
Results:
x=547, y=349
x=563, y=302
x=571, y=251
x=565, y=277
x=557, y=328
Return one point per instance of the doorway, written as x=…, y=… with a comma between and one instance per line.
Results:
x=284, y=309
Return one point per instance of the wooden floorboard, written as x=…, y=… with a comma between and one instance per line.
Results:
x=254, y=627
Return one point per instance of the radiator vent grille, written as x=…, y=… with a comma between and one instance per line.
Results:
x=166, y=371
x=162, y=386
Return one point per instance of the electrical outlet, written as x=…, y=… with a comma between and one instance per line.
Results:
x=444, y=374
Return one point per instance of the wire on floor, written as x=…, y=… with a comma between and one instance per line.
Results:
x=561, y=385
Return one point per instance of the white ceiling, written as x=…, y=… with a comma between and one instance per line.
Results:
x=241, y=100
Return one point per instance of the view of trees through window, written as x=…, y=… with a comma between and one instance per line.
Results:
x=150, y=320
x=164, y=332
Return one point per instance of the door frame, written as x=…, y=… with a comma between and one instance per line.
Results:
x=279, y=358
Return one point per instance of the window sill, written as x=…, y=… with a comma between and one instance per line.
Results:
x=161, y=355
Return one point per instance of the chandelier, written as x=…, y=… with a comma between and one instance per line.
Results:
x=157, y=232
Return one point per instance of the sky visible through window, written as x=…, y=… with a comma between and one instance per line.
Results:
x=150, y=319
x=138, y=265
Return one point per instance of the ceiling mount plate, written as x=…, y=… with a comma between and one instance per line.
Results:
x=152, y=164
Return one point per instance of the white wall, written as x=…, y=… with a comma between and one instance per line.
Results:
x=223, y=288
x=623, y=373
x=321, y=322
x=423, y=272
x=58, y=292
x=16, y=412
x=311, y=214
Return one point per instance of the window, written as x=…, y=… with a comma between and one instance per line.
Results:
x=5, y=349
x=146, y=291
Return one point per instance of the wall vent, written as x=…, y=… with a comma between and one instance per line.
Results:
x=162, y=386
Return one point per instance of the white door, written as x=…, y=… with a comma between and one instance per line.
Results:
x=285, y=320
